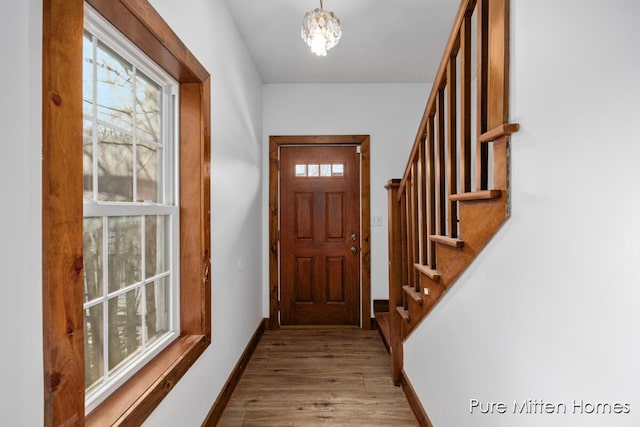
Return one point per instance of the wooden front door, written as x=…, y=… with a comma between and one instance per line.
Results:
x=319, y=235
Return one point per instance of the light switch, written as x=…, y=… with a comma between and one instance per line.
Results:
x=376, y=220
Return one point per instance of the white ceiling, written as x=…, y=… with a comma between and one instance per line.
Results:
x=383, y=41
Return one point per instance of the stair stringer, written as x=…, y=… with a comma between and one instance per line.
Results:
x=480, y=220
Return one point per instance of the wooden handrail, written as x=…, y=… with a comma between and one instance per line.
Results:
x=478, y=195
x=466, y=8
x=453, y=195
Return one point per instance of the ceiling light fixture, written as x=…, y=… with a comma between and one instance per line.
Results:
x=320, y=30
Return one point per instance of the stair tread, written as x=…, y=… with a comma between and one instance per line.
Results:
x=429, y=272
x=412, y=293
x=403, y=313
x=476, y=195
x=449, y=241
x=382, y=321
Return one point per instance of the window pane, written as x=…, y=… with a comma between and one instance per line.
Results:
x=87, y=75
x=147, y=170
x=124, y=327
x=129, y=281
x=87, y=159
x=338, y=170
x=125, y=257
x=314, y=170
x=325, y=170
x=115, y=88
x=148, y=108
x=92, y=248
x=156, y=245
x=157, y=308
x=93, y=345
x=115, y=165
x=301, y=170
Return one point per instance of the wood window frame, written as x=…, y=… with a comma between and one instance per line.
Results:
x=275, y=142
x=63, y=331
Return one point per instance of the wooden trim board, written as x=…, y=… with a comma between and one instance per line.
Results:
x=414, y=401
x=229, y=387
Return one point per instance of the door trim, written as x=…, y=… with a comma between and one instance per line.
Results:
x=365, y=202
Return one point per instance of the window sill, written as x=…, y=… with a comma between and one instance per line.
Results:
x=132, y=403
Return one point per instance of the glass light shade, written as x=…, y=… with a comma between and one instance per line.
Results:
x=320, y=30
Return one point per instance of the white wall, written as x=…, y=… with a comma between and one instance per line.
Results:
x=550, y=309
x=20, y=228
x=389, y=113
x=206, y=27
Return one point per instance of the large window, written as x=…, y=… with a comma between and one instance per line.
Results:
x=130, y=208
x=126, y=280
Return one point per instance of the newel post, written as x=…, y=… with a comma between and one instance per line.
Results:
x=395, y=279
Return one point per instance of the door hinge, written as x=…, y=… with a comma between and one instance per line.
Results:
x=278, y=235
x=278, y=305
x=358, y=149
x=278, y=164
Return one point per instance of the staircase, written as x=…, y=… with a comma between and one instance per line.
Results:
x=454, y=195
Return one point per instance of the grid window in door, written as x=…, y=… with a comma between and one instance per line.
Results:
x=319, y=170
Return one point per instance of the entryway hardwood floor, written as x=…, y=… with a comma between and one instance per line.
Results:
x=318, y=377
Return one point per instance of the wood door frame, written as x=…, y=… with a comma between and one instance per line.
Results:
x=275, y=142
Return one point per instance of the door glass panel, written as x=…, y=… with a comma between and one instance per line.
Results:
x=327, y=170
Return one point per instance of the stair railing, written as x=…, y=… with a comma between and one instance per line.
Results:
x=460, y=154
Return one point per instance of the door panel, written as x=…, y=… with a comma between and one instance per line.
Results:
x=304, y=215
x=335, y=215
x=304, y=279
x=319, y=214
x=335, y=279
